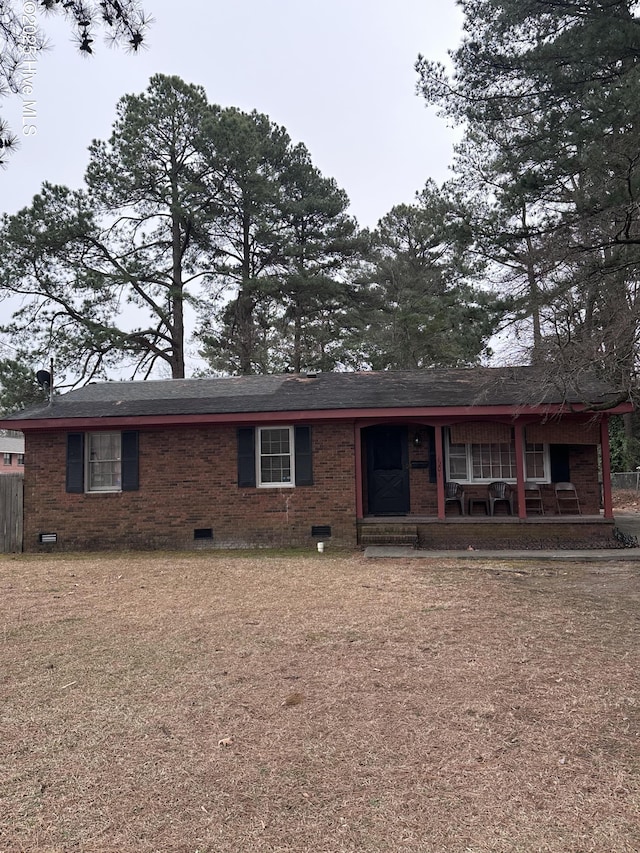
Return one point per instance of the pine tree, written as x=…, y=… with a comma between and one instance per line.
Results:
x=547, y=93
x=430, y=313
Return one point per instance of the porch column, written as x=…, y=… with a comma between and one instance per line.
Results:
x=439, y=470
x=606, y=467
x=520, y=474
x=358, y=470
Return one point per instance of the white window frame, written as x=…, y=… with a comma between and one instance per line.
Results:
x=292, y=458
x=470, y=479
x=90, y=464
x=546, y=478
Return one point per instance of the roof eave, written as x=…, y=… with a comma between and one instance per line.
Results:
x=414, y=413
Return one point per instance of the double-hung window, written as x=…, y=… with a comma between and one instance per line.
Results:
x=104, y=459
x=276, y=462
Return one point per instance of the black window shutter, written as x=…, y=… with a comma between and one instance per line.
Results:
x=433, y=474
x=246, y=457
x=75, y=462
x=559, y=456
x=129, y=452
x=304, y=461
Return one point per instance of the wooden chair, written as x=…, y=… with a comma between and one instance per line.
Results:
x=454, y=493
x=533, y=498
x=567, y=499
x=500, y=492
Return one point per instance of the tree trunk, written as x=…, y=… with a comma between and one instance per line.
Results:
x=534, y=291
x=176, y=295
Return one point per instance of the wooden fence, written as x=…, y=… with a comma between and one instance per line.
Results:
x=11, y=513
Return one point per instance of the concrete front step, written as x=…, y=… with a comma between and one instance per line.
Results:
x=628, y=523
x=389, y=534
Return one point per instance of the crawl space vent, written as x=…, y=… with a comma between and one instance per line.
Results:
x=203, y=533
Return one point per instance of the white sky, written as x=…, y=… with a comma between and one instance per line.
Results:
x=338, y=74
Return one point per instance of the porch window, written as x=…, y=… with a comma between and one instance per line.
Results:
x=485, y=462
x=458, y=462
x=536, y=462
x=103, y=461
x=275, y=458
x=493, y=461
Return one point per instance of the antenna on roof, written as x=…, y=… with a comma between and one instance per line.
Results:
x=44, y=379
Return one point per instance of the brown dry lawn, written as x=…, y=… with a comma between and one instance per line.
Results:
x=368, y=705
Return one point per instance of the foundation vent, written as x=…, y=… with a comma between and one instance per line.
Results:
x=200, y=533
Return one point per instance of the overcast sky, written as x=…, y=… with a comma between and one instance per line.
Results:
x=338, y=74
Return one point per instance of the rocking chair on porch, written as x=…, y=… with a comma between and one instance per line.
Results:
x=454, y=493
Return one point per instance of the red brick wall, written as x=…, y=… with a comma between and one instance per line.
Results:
x=188, y=480
x=478, y=432
x=423, y=494
x=512, y=534
x=583, y=467
x=564, y=432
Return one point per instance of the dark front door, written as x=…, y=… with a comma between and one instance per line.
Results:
x=387, y=470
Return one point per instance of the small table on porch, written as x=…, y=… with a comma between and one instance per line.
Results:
x=480, y=502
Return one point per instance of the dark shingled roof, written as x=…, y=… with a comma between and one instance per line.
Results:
x=512, y=386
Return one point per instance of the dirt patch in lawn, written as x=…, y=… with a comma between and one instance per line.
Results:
x=626, y=500
x=324, y=703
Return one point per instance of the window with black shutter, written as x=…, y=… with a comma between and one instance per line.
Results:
x=304, y=460
x=246, y=457
x=102, y=462
x=130, y=477
x=75, y=462
x=274, y=456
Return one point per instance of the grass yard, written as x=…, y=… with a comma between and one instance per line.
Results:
x=240, y=703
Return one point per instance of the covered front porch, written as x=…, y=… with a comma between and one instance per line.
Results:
x=427, y=482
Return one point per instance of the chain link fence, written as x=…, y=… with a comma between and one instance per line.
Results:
x=626, y=480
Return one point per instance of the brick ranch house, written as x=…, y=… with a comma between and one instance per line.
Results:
x=347, y=458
